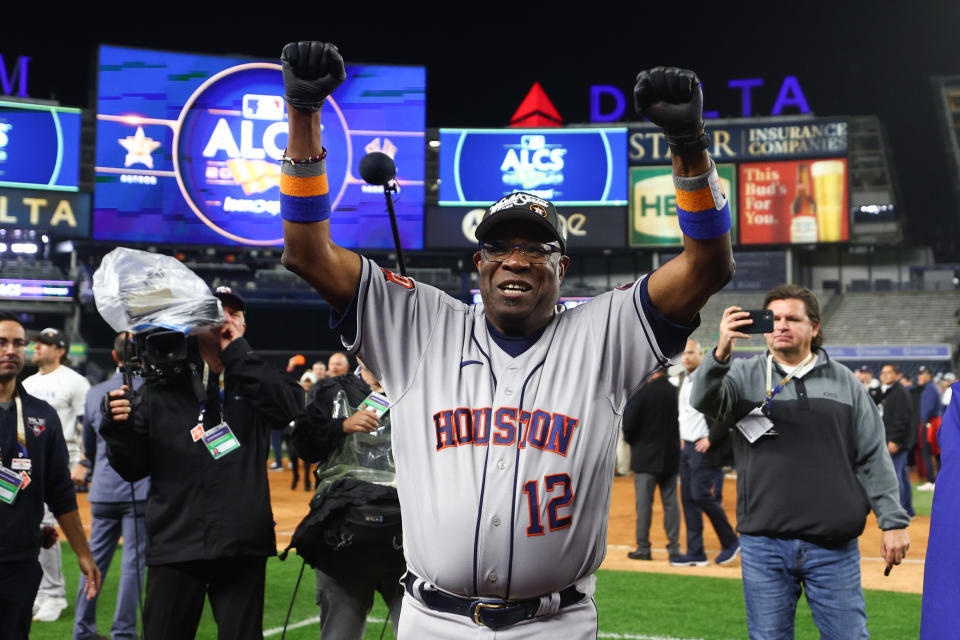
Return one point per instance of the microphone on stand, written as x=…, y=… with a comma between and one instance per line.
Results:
x=379, y=169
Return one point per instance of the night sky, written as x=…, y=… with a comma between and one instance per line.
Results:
x=850, y=58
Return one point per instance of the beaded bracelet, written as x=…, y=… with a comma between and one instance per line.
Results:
x=311, y=160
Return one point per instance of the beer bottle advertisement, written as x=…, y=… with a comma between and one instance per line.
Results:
x=794, y=202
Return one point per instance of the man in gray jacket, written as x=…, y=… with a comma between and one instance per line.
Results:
x=811, y=462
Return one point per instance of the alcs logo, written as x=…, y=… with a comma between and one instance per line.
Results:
x=231, y=135
x=533, y=163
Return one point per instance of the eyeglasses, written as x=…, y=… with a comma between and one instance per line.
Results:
x=534, y=252
x=16, y=343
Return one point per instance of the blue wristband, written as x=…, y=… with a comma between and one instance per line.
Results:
x=704, y=225
x=703, y=210
x=304, y=192
x=305, y=209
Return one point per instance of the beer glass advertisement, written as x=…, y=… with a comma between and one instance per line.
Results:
x=189, y=148
x=794, y=202
x=653, y=205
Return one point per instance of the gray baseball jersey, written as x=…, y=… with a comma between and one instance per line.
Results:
x=504, y=464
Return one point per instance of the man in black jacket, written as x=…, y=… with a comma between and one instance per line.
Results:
x=651, y=429
x=209, y=521
x=355, y=485
x=33, y=472
x=896, y=408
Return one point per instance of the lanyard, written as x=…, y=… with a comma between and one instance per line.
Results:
x=21, y=432
x=771, y=390
x=207, y=372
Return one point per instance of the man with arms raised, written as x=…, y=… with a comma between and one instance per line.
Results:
x=811, y=462
x=506, y=413
x=34, y=473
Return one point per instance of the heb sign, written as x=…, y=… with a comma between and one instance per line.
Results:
x=63, y=214
x=749, y=140
x=653, y=205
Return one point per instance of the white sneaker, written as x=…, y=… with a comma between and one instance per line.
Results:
x=926, y=486
x=50, y=610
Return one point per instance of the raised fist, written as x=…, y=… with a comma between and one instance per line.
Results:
x=311, y=71
x=671, y=98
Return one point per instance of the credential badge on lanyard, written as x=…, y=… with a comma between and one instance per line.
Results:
x=219, y=440
x=12, y=482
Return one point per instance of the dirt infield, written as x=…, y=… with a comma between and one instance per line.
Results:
x=289, y=507
x=908, y=577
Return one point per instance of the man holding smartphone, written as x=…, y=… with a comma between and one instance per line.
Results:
x=811, y=461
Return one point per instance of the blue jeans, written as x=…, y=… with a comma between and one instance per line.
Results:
x=276, y=441
x=110, y=521
x=701, y=490
x=776, y=570
x=903, y=475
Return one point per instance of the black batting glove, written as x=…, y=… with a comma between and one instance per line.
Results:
x=672, y=99
x=311, y=71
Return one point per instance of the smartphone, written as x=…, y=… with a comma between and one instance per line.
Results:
x=762, y=321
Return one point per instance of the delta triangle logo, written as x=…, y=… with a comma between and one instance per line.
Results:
x=536, y=110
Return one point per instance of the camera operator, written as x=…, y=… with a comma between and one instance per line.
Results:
x=352, y=536
x=209, y=522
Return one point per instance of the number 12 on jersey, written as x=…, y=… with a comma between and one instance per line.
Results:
x=559, y=482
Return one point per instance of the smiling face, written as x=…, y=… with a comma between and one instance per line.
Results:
x=519, y=297
x=793, y=331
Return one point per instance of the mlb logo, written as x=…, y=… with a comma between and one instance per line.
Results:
x=37, y=425
x=533, y=142
x=257, y=107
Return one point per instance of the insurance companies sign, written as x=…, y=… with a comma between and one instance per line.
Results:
x=750, y=139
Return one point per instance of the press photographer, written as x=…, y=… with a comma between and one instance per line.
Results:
x=209, y=522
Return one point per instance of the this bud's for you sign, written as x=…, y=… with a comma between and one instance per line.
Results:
x=795, y=202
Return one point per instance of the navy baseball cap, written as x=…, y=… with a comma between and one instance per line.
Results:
x=527, y=207
x=227, y=296
x=53, y=337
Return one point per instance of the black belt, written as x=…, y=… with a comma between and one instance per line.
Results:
x=486, y=612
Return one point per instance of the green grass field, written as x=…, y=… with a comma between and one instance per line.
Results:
x=635, y=606
x=922, y=500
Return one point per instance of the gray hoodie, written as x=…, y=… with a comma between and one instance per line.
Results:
x=826, y=466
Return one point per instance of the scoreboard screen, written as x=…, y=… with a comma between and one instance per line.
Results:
x=188, y=150
x=39, y=146
x=581, y=167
